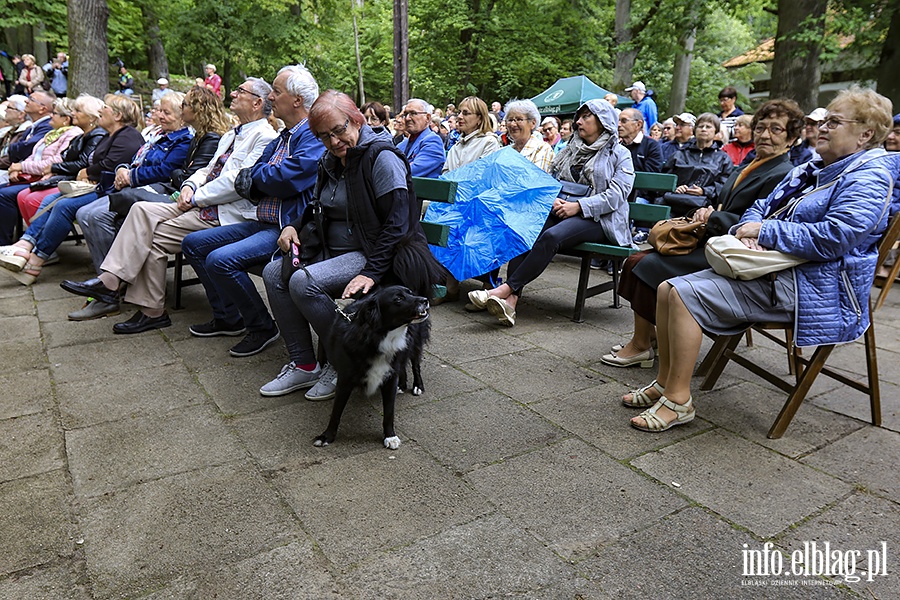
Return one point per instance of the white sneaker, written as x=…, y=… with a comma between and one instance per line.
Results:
x=291, y=379
x=324, y=388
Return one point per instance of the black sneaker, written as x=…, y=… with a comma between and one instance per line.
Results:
x=255, y=342
x=216, y=327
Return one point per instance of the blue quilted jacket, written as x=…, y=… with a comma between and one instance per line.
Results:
x=836, y=227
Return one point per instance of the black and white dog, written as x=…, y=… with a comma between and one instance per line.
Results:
x=369, y=345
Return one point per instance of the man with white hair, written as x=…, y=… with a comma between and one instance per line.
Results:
x=281, y=185
x=213, y=81
x=643, y=103
x=424, y=149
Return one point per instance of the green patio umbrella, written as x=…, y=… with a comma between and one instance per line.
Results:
x=567, y=94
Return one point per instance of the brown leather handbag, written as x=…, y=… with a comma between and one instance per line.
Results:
x=676, y=237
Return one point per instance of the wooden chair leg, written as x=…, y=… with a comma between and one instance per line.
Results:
x=872, y=372
x=617, y=266
x=888, y=282
x=715, y=368
x=816, y=363
x=179, y=276
x=792, y=354
x=581, y=295
x=749, y=336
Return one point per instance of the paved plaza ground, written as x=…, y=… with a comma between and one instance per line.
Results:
x=150, y=467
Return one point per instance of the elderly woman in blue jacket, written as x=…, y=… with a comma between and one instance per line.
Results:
x=592, y=157
x=836, y=209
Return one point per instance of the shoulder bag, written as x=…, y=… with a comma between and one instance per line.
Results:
x=729, y=257
x=571, y=192
x=676, y=237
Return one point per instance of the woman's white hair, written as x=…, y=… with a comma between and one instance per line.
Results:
x=526, y=107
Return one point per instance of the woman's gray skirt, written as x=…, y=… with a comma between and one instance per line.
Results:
x=725, y=306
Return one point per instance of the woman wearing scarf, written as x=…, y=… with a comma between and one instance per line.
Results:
x=830, y=212
x=776, y=125
x=593, y=157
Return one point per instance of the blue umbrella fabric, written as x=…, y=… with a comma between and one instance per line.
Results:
x=501, y=205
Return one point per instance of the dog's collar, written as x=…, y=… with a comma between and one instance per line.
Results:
x=340, y=311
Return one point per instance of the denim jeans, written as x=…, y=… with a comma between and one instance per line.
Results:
x=49, y=230
x=221, y=257
x=9, y=211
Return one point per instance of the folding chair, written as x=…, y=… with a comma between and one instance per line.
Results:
x=805, y=369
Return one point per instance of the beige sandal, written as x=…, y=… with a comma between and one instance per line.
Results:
x=13, y=258
x=684, y=413
x=28, y=274
x=640, y=399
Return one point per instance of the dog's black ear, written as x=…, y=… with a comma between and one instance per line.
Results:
x=368, y=312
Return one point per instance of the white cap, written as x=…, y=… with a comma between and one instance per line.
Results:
x=162, y=81
x=637, y=85
x=817, y=115
x=685, y=117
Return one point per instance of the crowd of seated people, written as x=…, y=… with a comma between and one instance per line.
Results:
x=234, y=198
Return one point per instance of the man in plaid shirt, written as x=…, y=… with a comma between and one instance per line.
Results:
x=280, y=184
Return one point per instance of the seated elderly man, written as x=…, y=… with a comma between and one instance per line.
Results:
x=153, y=230
x=645, y=151
x=684, y=132
x=280, y=184
x=38, y=108
x=424, y=149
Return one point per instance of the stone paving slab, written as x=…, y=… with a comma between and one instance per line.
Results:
x=32, y=393
x=573, y=498
x=472, y=430
x=235, y=387
x=533, y=375
x=749, y=410
x=868, y=457
x=118, y=454
x=22, y=356
x=597, y=416
x=291, y=572
x=859, y=523
x=472, y=342
x=15, y=306
x=19, y=328
x=487, y=558
x=61, y=579
x=139, y=538
x=371, y=502
x=157, y=391
x=116, y=356
x=30, y=445
x=36, y=521
x=282, y=437
x=855, y=404
x=785, y=492
x=691, y=554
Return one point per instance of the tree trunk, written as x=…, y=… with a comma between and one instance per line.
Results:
x=401, y=54
x=625, y=53
x=156, y=53
x=359, y=69
x=889, y=63
x=41, y=53
x=681, y=73
x=88, y=67
x=796, y=71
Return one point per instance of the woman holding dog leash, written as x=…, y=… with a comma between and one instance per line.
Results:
x=366, y=209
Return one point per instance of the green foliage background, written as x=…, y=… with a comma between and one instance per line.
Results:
x=497, y=49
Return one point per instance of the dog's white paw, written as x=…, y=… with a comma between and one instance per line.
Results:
x=392, y=442
x=320, y=443
x=417, y=391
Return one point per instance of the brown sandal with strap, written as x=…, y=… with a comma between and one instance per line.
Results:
x=28, y=274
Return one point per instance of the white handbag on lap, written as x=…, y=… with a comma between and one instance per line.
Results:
x=729, y=257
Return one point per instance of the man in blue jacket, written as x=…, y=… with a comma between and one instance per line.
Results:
x=38, y=107
x=280, y=184
x=643, y=103
x=424, y=149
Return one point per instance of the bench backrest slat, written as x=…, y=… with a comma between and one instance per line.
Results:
x=650, y=213
x=655, y=182
x=435, y=190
